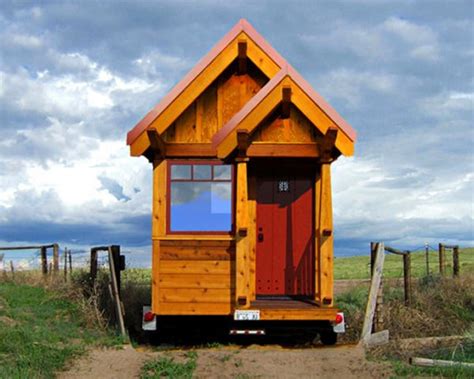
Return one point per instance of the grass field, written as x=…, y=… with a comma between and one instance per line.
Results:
x=359, y=267
x=40, y=330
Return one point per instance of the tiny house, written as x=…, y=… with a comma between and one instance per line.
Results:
x=242, y=225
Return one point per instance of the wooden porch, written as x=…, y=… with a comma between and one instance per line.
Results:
x=292, y=309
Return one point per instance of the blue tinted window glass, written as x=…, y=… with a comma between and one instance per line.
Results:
x=181, y=172
x=201, y=206
x=202, y=172
x=223, y=172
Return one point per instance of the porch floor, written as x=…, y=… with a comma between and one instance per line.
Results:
x=292, y=309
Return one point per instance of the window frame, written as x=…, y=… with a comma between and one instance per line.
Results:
x=191, y=163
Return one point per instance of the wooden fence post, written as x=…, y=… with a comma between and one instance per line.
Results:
x=115, y=251
x=377, y=324
x=456, y=261
x=70, y=262
x=12, y=269
x=56, y=257
x=44, y=260
x=374, y=287
x=407, y=276
x=65, y=264
x=93, y=272
x=427, y=258
x=441, y=251
x=115, y=288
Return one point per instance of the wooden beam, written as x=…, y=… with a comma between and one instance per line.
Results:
x=280, y=150
x=242, y=144
x=285, y=102
x=326, y=254
x=242, y=57
x=190, y=150
x=159, y=198
x=156, y=142
x=242, y=293
x=328, y=144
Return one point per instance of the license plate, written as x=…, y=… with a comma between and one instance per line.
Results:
x=242, y=315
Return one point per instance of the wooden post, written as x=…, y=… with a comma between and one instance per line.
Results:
x=93, y=270
x=377, y=324
x=56, y=257
x=374, y=288
x=12, y=269
x=326, y=238
x=115, y=251
x=158, y=225
x=427, y=258
x=70, y=262
x=65, y=263
x=115, y=291
x=44, y=260
x=455, y=261
x=441, y=258
x=242, y=292
x=407, y=277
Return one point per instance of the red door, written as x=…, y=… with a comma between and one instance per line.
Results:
x=285, y=254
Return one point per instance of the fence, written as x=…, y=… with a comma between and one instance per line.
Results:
x=377, y=248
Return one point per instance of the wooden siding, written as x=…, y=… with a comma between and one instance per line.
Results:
x=195, y=276
x=295, y=129
x=215, y=106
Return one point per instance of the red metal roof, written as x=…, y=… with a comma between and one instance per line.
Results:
x=242, y=26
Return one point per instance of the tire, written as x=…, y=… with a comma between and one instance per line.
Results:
x=328, y=338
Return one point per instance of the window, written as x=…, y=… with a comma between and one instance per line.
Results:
x=200, y=197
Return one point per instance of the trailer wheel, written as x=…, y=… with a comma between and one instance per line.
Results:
x=328, y=338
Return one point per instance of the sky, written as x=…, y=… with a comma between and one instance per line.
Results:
x=75, y=76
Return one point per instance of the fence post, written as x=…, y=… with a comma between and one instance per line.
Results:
x=456, y=261
x=93, y=272
x=44, y=260
x=373, y=291
x=407, y=276
x=12, y=269
x=56, y=257
x=427, y=257
x=441, y=251
x=65, y=264
x=70, y=262
x=115, y=251
x=115, y=286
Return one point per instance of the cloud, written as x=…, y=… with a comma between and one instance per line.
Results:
x=351, y=85
x=113, y=187
x=74, y=82
x=421, y=38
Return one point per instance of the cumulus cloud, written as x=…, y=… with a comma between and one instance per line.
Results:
x=73, y=83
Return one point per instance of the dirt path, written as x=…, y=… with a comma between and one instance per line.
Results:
x=269, y=361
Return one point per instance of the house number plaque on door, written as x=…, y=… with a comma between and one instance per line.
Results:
x=283, y=186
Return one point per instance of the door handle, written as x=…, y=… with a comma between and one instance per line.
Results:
x=260, y=237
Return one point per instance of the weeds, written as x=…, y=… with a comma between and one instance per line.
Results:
x=40, y=330
x=168, y=368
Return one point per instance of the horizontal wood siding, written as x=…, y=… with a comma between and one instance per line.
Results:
x=196, y=277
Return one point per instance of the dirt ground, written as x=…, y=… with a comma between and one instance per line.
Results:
x=267, y=361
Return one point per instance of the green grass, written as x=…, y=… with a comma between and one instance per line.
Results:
x=40, y=330
x=463, y=352
x=359, y=267
x=166, y=367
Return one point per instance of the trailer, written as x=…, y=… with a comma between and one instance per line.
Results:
x=242, y=226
